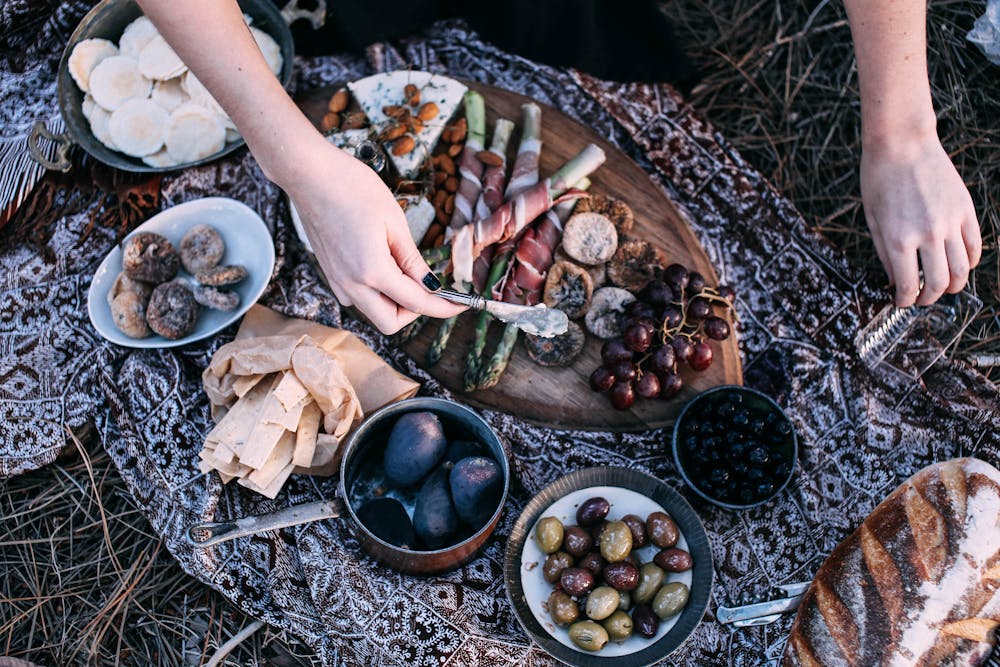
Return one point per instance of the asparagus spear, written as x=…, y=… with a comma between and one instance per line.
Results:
x=523, y=176
x=491, y=373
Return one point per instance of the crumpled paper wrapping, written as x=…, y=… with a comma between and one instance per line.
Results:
x=280, y=370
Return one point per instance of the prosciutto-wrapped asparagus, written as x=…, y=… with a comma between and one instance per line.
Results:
x=525, y=280
x=511, y=219
x=496, y=258
x=469, y=166
x=491, y=196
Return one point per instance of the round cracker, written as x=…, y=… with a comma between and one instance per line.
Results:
x=270, y=49
x=87, y=106
x=99, y=118
x=136, y=35
x=193, y=132
x=159, y=62
x=136, y=127
x=169, y=94
x=85, y=57
x=199, y=93
x=590, y=238
x=159, y=159
x=116, y=80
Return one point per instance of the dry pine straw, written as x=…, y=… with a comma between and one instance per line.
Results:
x=778, y=79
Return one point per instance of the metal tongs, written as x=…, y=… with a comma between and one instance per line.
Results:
x=536, y=320
x=762, y=613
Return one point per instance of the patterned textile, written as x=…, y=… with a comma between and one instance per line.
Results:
x=800, y=304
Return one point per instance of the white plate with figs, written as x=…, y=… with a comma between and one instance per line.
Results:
x=245, y=242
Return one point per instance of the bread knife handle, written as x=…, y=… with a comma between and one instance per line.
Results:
x=758, y=609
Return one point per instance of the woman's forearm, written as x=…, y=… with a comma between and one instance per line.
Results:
x=215, y=43
x=890, y=42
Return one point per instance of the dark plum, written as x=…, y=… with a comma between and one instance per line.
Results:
x=387, y=519
x=461, y=449
x=476, y=487
x=416, y=444
x=434, y=517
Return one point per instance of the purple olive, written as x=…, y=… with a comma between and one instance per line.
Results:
x=673, y=560
x=638, y=528
x=644, y=621
x=662, y=530
x=592, y=562
x=576, y=581
x=622, y=576
x=592, y=511
x=577, y=541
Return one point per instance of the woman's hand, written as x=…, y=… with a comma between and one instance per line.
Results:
x=361, y=240
x=917, y=207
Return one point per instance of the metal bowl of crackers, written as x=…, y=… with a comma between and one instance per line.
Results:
x=129, y=101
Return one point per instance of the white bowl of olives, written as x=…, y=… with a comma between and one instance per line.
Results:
x=605, y=570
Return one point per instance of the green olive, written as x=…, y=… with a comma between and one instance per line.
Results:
x=619, y=626
x=602, y=602
x=562, y=608
x=650, y=579
x=588, y=635
x=670, y=599
x=624, y=600
x=616, y=541
x=549, y=534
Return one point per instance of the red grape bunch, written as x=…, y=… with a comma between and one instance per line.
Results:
x=668, y=325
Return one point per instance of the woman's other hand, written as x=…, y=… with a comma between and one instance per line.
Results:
x=917, y=207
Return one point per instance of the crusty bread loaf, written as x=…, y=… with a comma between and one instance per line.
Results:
x=918, y=583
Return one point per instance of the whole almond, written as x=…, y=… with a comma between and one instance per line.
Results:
x=439, y=198
x=432, y=233
x=439, y=241
x=451, y=185
x=400, y=113
x=353, y=121
x=459, y=130
x=427, y=111
x=339, y=101
x=392, y=131
x=442, y=217
x=455, y=149
x=439, y=178
x=415, y=125
x=446, y=134
x=449, y=204
x=447, y=165
x=330, y=122
x=489, y=158
x=402, y=203
x=403, y=145
x=411, y=95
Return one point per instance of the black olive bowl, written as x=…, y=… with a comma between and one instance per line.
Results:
x=107, y=20
x=517, y=575
x=723, y=451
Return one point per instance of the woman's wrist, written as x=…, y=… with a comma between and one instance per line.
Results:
x=899, y=134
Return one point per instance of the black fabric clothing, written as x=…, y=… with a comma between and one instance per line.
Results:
x=623, y=40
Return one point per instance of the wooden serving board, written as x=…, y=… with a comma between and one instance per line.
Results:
x=561, y=397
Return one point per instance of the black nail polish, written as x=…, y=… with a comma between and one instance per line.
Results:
x=431, y=282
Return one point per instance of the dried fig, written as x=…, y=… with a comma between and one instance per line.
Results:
x=559, y=350
x=607, y=311
x=128, y=311
x=149, y=257
x=568, y=287
x=590, y=238
x=202, y=248
x=616, y=210
x=634, y=265
x=123, y=284
x=172, y=310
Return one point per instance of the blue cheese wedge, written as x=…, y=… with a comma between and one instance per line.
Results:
x=419, y=216
x=375, y=92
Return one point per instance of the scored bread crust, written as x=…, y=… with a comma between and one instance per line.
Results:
x=916, y=584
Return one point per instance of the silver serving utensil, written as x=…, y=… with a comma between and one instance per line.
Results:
x=536, y=320
x=762, y=613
